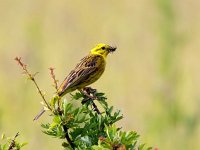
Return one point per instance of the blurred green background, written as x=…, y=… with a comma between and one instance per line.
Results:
x=153, y=77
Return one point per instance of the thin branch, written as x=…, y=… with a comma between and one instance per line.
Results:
x=67, y=137
x=39, y=115
x=55, y=82
x=31, y=77
x=42, y=95
x=95, y=108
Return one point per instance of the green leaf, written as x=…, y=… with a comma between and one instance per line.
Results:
x=46, y=126
x=100, y=94
x=86, y=139
x=3, y=136
x=77, y=95
x=57, y=119
x=23, y=144
x=103, y=104
x=99, y=147
x=67, y=107
x=53, y=101
x=75, y=112
x=149, y=148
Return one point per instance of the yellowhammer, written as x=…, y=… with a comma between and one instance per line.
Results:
x=87, y=71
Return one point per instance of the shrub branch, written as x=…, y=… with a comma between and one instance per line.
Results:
x=32, y=77
x=84, y=126
x=55, y=82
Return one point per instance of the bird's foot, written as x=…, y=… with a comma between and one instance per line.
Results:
x=89, y=92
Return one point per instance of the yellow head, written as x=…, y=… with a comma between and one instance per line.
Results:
x=103, y=50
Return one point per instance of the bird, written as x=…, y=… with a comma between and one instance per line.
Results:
x=87, y=71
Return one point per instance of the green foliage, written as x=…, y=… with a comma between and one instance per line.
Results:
x=117, y=139
x=85, y=128
x=9, y=143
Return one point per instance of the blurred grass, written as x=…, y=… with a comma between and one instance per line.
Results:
x=153, y=77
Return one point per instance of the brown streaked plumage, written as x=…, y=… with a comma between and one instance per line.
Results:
x=87, y=71
x=91, y=66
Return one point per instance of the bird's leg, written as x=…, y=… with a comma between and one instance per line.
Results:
x=88, y=96
x=92, y=91
x=87, y=91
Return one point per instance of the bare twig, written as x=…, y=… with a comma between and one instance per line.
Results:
x=39, y=114
x=31, y=77
x=55, y=82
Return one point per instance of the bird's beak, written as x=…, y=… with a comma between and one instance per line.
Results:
x=112, y=48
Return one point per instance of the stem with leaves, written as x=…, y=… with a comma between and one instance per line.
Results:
x=8, y=143
x=85, y=126
x=12, y=144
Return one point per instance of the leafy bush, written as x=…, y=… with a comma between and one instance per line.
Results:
x=86, y=126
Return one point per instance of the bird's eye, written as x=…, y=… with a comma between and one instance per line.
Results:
x=103, y=48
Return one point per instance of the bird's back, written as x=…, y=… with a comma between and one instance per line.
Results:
x=85, y=73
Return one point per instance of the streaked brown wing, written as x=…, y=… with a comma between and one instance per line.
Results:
x=82, y=71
